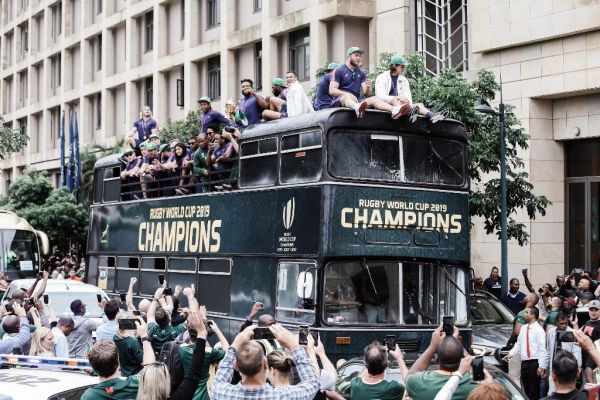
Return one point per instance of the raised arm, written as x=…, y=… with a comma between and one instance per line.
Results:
x=423, y=361
x=151, y=315
x=528, y=282
x=129, y=295
x=220, y=336
x=40, y=293
x=189, y=293
x=187, y=388
x=142, y=330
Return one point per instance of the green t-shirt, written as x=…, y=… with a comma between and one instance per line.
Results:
x=520, y=318
x=114, y=389
x=131, y=355
x=384, y=390
x=160, y=336
x=551, y=319
x=212, y=356
x=426, y=385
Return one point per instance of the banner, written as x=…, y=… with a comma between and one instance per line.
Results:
x=61, y=183
x=71, y=155
x=77, y=163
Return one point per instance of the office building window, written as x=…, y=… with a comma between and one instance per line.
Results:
x=98, y=110
x=257, y=5
x=182, y=21
x=98, y=7
x=258, y=65
x=56, y=20
x=24, y=39
x=99, y=53
x=442, y=36
x=23, y=88
x=214, y=78
x=148, y=91
x=213, y=13
x=300, y=53
x=149, y=31
x=54, y=126
x=55, y=70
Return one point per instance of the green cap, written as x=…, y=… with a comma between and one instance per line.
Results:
x=279, y=82
x=397, y=59
x=154, y=136
x=353, y=50
x=144, y=144
x=127, y=151
x=151, y=146
x=163, y=147
x=332, y=65
x=205, y=99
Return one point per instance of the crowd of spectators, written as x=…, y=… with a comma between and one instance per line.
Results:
x=206, y=159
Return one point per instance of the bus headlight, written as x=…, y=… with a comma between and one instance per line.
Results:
x=480, y=350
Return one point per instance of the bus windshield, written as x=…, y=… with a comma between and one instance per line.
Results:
x=396, y=158
x=20, y=250
x=393, y=293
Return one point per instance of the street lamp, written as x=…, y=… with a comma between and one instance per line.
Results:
x=485, y=108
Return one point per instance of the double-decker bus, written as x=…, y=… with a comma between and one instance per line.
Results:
x=21, y=247
x=356, y=227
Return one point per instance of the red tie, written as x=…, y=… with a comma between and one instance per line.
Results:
x=528, y=350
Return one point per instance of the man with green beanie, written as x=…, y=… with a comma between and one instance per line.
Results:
x=323, y=99
x=277, y=102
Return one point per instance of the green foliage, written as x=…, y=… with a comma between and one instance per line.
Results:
x=11, y=140
x=53, y=211
x=89, y=154
x=320, y=72
x=181, y=129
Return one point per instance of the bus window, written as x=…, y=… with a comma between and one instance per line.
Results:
x=127, y=268
x=112, y=184
x=182, y=264
x=106, y=273
x=151, y=268
x=20, y=250
x=214, y=284
x=258, y=161
x=182, y=271
x=296, y=291
x=368, y=293
x=394, y=158
x=98, y=177
x=301, y=155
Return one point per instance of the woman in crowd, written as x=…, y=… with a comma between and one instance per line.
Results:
x=280, y=368
x=181, y=159
x=42, y=342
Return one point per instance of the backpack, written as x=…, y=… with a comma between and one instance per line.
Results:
x=169, y=355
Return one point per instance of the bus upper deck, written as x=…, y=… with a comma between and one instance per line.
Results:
x=336, y=222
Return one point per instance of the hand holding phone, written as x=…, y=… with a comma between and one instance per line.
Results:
x=123, y=297
x=127, y=324
x=99, y=298
x=168, y=292
x=46, y=299
x=390, y=342
x=448, y=325
x=263, y=332
x=477, y=368
x=303, y=335
x=161, y=279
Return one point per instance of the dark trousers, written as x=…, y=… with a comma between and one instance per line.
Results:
x=530, y=381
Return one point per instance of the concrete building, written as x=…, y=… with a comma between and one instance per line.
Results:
x=107, y=58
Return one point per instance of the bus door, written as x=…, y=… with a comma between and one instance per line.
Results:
x=296, y=291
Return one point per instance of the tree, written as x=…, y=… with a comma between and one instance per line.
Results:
x=181, y=129
x=451, y=90
x=11, y=140
x=89, y=155
x=53, y=211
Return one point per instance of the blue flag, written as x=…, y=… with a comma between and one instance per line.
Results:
x=62, y=151
x=71, y=155
x=77, y=163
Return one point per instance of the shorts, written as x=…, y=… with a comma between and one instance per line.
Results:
x=337, y=101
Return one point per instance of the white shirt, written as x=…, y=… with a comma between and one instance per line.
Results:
x=537, y=343
x=383, y=85
x=61, y=346
x=572, y=348
x=297, y=101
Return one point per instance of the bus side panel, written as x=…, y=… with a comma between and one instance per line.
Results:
x=378, y=221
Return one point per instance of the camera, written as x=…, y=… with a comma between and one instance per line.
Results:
x=390, y=342
x=123, y=297
x=303, y=335
x=99, y=297
x=46, y=299
x=168, y=292
x=477, y=367
x=262, y=333
x=448, y=325
x=161, y=279
x=127, y=324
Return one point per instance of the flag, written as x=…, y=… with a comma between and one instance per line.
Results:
x=62, y=150
x=71, y=155
x=77, y=162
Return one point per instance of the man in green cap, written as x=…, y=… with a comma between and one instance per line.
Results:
x=323, y=99
x=149, y=171
x=393, y=88
x=277, y=102
x=130, y=175
x=347, y=82
x=154, y=138
x=210, y=116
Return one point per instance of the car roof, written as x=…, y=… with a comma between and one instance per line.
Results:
x=57, y=285
x=38, y=384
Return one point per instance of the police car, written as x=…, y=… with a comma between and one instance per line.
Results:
x=43, y=378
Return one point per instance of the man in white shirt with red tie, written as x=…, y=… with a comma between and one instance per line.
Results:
x=531, y=347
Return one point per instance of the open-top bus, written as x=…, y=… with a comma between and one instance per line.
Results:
x=356, y=227
x=21, y=247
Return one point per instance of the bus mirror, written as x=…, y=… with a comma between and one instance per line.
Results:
x=305, y=285
x=43, y=241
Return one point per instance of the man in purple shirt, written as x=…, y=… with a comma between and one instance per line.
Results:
x=250, y=106
x=347, y=82
x=210, y=116
x=277, y=102
x=144, y=127
x=323, y=99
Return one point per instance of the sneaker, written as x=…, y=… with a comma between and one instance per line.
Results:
x=404, y=109
x=227, y=186
x=219, y=188
x=395, y=112
x=360, y=109
x=414, y=114
x=439, y=116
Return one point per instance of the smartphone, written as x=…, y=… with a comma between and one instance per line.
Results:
x=99, y=298
x=477, y=367
x=161, y=279
x=9, y=308
x=390, y=342
x=229, y=129
x=46, y=299
x=573, y=312
x=303, y=335
x=127, y=324
x=448, y=326
x=30, y=301
x=577, y=270
x=524, y=270
x=565, y=337
x=168, y=292
x=541, y=290
x=315, y=335
x=262, y=333
x=123, y=296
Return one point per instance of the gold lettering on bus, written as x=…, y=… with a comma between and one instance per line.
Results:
x=180, y=236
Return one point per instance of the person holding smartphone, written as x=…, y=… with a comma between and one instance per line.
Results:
x=108, y=329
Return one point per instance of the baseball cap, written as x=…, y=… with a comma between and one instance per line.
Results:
x=397, y=59
x=154, y=136
x=332, y=65
x=151, y=146
x=279, y=82
x=144, y=144
x=205, y=99
x=354, y=49
x=127, y=151
x=163, y=147
x=593, y=304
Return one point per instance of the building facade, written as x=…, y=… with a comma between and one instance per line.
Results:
x=105, y=59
